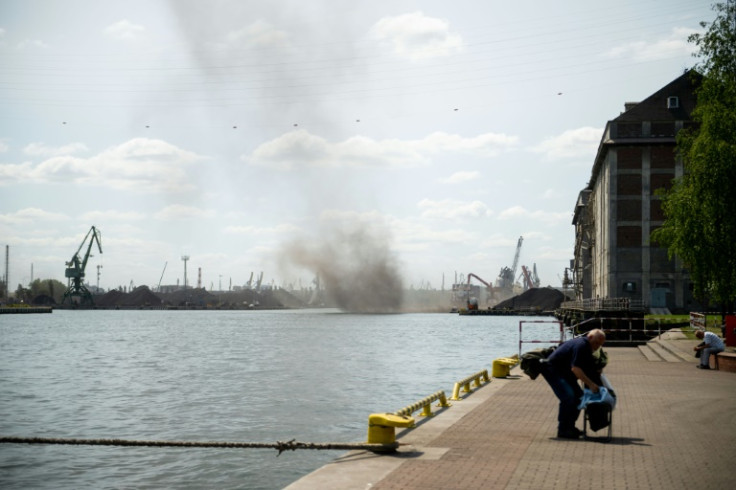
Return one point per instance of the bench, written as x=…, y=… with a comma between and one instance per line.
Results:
x=726, y=361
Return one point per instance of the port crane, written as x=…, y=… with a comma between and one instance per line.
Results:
x=507, y=275
x=75, y=271
x=473, y=302
x=530, y=278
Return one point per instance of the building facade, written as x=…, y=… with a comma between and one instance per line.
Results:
x=620, y=207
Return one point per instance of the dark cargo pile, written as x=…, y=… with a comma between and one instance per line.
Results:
x=543, y=299
x=196, y=297
x=140, y=296
x=110, y=298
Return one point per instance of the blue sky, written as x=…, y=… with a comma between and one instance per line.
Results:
x=230, y=131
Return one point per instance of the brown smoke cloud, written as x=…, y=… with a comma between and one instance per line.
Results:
x=356, y=267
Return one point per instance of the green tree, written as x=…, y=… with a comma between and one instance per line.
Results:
x=700, y=208
x=48, y=287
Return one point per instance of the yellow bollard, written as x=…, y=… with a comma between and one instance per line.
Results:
x=381, y=427
x=502, y=366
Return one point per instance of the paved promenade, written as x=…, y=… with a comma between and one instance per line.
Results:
x=674, y=427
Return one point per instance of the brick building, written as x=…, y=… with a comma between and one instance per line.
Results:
x=617, y=211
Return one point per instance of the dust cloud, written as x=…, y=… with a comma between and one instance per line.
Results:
x=355, y=266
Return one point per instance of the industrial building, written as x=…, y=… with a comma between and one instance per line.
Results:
x=619, y=208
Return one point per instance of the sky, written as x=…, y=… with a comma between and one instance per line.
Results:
x=271, y=136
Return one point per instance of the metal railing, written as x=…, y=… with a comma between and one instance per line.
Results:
x=464, y=384
x=608, y=304
x=537, y=341
x=425, y=404
x=591, y=322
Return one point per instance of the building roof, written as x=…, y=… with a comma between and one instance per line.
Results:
x=654, y=107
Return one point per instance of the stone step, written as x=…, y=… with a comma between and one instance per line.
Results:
x=664, y=353
x=649, y=353
x=675, y=351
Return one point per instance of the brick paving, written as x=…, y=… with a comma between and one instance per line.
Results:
x=674, y=427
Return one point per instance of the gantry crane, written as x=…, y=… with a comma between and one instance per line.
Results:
x=75, y=271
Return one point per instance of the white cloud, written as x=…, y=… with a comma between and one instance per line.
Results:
x=300, y=148
x=460, y=177
x=259, y=34
x=140, y=164
x=552, y=194
x=413, y=236
x=124, y=30
x=554, y=253
x=112, y=216
x=32, y=43
x=31, y=215
x=549, y=218
x=40, y=149
x=255, y=230
x=671, y=46
x=180, y=211
x=449, y=209
x=573, y=143
x=486, y=144
x=416, y=36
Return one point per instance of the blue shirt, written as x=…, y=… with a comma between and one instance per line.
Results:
x=713, y=341
x=575, y=352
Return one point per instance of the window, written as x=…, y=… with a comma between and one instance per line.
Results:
x=673, y=102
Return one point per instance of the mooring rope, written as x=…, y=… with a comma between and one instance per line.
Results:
x=281, y=446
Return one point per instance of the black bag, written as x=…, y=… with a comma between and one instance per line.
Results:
x=698, y=352
x=599, y=415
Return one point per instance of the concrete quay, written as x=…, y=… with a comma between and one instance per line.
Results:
x=674, y=427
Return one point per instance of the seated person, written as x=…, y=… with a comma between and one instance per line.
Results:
x=712, y=344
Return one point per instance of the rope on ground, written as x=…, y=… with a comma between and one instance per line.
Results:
x=281, y=446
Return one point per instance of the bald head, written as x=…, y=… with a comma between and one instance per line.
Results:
x=596, y=337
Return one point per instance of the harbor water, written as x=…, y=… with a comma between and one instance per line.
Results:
x=239, y=376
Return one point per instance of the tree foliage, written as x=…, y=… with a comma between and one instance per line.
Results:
x=700, y=208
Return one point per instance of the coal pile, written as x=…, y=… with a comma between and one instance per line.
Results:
x=140, y=296
x=194, y=297
x=543, y=299
x=110, y=298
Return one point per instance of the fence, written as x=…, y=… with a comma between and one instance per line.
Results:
x=554, y=341
x=604, y=304
x=425, y=404
x=465, y=383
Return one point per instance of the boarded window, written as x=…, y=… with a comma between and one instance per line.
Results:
x=628, y=236
x=663, y=157
x=659, y=261
x=661, y=181
x=629, y=185
x=628, y=130
x=628, y=210
x=628, y=158
x=652, y=242
x=663, y=129
x=655, y=210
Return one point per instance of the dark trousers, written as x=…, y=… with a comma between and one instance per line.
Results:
x=566, y=388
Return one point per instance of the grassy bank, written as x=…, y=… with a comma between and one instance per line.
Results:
x=712, y=322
